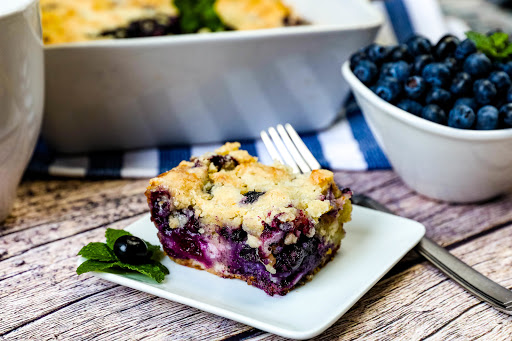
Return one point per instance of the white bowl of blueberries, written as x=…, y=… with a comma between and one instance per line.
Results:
x=442, y=113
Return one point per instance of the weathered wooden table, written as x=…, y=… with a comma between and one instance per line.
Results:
x=41, y=297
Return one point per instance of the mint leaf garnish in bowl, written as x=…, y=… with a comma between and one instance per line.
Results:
x=103, y=257
x=496, y=45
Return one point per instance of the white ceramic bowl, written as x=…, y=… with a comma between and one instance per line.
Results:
x=440, y=162
x=21, y=92
x=120, y=94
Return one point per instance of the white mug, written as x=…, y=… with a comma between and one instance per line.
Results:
x=21, y=92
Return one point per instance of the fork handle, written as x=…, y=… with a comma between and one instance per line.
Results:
x=470, y=279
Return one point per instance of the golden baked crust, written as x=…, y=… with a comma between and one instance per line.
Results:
x=252, y=14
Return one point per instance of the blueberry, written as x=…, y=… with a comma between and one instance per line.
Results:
x=420, y=62
x=411, y=106
x=415, y=87
x=462, y=84
x=366, y=71
x=462, y=117
x=484, y=91
x=507, y=67
x=465, y=48
x=477, y=65
x=399, y=70
x=439, y=96
x=388, y=89
x=131, y=250
x=434, y=113
x=470, y=102
x=508, y=96
x=501, y=81
x=377, y=53
x=356, y=58
x=436, y=74
x=506, y=115
x=452, y=64
x=400, y=52
x=446, y=46
x=487, y=118
x=419, y=45
x=251, y=197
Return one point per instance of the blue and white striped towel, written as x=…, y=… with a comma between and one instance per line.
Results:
x=347, y=145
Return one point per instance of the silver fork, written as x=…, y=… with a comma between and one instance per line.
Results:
x=286, y=146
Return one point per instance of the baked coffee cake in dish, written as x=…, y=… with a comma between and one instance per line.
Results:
x=228, y=214
x=66, y=21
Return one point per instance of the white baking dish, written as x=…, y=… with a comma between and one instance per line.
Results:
x=195, y=88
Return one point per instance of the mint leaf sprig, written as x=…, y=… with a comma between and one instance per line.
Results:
x=198, y=14
x=496, y=45
x=101, y=257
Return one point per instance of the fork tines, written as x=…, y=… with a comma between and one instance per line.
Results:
x=290, y=148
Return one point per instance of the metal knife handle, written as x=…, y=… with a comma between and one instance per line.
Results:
x=470, y=279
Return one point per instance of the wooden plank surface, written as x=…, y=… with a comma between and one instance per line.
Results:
x=41, y=296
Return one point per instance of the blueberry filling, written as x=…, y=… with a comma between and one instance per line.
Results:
x=166, y=25
x=160, y=26
x=292, y=262
x=225, y=162
x=251, y=197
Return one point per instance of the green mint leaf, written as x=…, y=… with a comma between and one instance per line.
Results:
x=499, y=40
x=507, y=51
x=198, y=14
x=496, y=46
x=478, y=38
x=113, y=234
x=94, y=265
x=153, y=270
x=98, y=251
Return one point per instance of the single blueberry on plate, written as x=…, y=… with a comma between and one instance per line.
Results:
x=400, y=52
x=484, y=91
x=501, y=81
x=446, y=46
x=439, y=96
x=434, y=113
x=399, y=70
x=470, y=102
x=464, y=49
x=462, y=84
x=131, y=250
x=388, y=88
x=356, y=58
x=436, y=74
x=419, y=45
x=366, y=71
x=410, y=106
x=415, y=87
x=487, y=118
x=506, y=115
x=377, y=53
x=478, y=65
x=420, y=62
x=462, y=117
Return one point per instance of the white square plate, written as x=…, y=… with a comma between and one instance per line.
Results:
x=374, y=242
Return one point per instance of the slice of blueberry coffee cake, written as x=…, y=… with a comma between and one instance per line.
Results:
x=228, y=214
